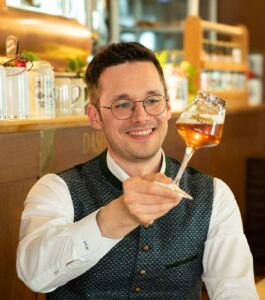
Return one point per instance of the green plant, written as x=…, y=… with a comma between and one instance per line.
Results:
x=28, y=55
x=75, y=65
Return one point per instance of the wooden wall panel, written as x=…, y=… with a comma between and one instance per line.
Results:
x=19, y=155
x=11, y=206
x=76, y=145
x=246, y=12
x=255, y=229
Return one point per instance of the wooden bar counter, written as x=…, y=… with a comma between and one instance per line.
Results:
x=32, y=148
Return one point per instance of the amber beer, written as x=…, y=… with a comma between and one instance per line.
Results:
x=197, y=135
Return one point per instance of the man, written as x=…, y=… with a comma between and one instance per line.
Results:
x=106, y=230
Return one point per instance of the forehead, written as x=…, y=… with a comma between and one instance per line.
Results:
x=132, y=78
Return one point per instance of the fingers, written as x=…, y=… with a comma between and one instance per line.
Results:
x=158, y=177
x=147, y=213
x=146, y=186
x=145, y=200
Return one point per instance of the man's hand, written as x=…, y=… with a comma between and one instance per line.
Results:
x=142, y=202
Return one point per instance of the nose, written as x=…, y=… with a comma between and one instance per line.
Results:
x=139, y=113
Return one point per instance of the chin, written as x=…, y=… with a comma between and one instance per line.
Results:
x=143, y=155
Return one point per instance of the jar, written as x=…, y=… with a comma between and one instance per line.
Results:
x=17, y=92
x=69, y=95
x=41, y=90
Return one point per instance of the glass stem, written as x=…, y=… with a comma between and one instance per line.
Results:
x=189, y=151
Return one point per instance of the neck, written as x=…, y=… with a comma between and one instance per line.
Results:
x=139, y=167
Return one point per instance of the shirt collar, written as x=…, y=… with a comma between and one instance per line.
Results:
x=118, y=172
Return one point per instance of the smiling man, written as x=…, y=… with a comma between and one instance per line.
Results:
x=105, y=230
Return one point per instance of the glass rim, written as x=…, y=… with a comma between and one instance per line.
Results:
x=209, y=97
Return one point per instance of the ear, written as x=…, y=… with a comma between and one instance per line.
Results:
x=168, y=109
x=93, y=116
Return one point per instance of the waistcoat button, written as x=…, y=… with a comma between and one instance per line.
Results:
x=145, y=248
x=142, y=272
x=137, y=289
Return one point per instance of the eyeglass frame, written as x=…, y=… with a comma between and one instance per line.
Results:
x=110, y=107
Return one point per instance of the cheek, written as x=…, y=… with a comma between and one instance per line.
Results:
x=110, y=126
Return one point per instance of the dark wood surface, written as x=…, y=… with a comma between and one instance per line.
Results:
x=255, y=211
x=19, y=155
x=11, y=205
x=247, y=13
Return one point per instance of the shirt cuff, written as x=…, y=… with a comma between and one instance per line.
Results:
x=87, y=239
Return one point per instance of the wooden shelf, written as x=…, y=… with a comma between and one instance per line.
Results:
x=234, y=98
x=223, y=66
x=221, y=43
x=194, y=41
x=222, y=28
x=42, y=124
x=163, y=29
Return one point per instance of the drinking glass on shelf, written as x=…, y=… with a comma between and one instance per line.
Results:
x=200, y=125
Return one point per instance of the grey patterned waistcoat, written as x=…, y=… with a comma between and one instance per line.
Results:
x=160, y=262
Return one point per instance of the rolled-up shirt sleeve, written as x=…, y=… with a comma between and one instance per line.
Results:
x=54, y=249
x=227, y=260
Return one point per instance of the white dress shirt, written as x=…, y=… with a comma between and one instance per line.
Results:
x=54, y=249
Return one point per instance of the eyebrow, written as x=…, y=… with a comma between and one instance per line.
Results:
x=127, y=96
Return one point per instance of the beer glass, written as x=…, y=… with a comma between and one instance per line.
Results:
x=200, y=125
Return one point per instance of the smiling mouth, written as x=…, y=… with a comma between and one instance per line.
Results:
x=140, y=132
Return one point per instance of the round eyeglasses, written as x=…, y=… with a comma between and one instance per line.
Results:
x=123, y=109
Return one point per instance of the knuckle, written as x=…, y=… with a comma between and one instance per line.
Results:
x=130, y=182
x=126, y=184
x=163, y=178
x=128, y=201
x=144, y=220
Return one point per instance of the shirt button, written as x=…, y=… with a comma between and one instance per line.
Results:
x=145, y=248
x=142, y=272
x=137, y=290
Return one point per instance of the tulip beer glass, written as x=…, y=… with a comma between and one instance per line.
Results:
x=200, y=125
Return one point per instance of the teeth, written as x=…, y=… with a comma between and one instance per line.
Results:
x=141, y=133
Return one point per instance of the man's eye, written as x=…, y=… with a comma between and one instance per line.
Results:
x=122, y=105
x=152, y=101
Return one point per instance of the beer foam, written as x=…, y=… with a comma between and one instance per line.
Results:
x=201, y=119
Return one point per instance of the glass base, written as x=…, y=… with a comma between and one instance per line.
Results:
x=175, y=188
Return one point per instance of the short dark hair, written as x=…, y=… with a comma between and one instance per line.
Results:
x=115, y=54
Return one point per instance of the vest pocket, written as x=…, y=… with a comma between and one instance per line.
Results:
x=181, y=262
